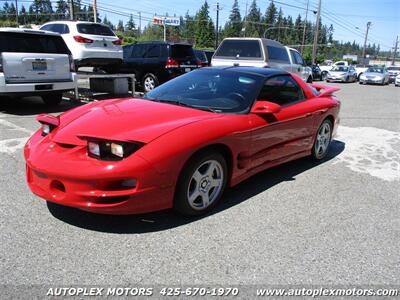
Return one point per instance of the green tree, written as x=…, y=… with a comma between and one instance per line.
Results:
x=130, y=27
x=270, y=17
x=43, y=10
x=62, y=9
x=120, y=26
x=204, y=34
x=233, y=27
x=253, y=21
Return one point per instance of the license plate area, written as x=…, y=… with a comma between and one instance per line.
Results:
x=43, y=87
x=187, y=70
x=39, y=66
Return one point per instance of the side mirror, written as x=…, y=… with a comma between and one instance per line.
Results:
x=265, y=107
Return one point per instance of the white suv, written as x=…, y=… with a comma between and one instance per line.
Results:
x=34, y=62
x=91, y=44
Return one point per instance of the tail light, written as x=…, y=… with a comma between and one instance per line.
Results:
x=199, y=63
x=117, y=42
x=71, y=63
x=48, y=122
x=81, y=39
x=171, y=63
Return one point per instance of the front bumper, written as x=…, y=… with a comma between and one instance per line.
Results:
x=67, y=176
x=371, y=80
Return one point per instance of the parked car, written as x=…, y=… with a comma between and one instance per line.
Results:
x=397, y=80
x=299, y=66
x=258, y=52
x=35, y=62
x=202, y=57
x=327, y=67
x=377, y=75
x=393, y=72
x=342, y=74
x=156, y=62
x=154, y=153
x=316, y=72
x=91, y=44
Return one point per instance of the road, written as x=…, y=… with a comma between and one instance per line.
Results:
x=334, y=223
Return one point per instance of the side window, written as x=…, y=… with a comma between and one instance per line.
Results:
x=293, y=56
x=282, y=90
x=278, y=54
x=299, y=59
x=153, y=51
x=65, y=28
x=48, y=27
x=138, y=51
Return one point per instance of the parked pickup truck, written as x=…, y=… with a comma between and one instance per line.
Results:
x=260, y=52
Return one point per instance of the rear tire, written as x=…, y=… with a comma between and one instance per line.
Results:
x=322, y=140
x=52, y=99
x=201, y=184
x=149, y=82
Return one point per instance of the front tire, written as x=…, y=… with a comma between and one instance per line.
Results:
x=52, y=99
x=201, y=184
x=322, y=140
x=324, y=75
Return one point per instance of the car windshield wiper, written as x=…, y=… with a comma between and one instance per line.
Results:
x=176, y=102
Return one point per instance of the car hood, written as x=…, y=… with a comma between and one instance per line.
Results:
x=338, y=72
x=125, y=120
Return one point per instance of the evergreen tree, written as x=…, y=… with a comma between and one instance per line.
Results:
x=62, y=9
x=23, y=15
x=233, y=27
x=204, y=34
x=270, y=19
x=188, y=28
x=43, y=10
x=120, y=26
x=253, y=20
x=130, y=27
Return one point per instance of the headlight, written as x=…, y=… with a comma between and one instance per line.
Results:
x=111, y=150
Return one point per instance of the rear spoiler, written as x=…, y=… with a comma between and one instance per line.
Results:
x=324, y=90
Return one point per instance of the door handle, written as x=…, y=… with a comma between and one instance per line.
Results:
x=308, y=115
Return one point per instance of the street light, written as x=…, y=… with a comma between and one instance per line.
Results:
x=278, y=27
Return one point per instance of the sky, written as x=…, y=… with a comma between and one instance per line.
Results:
x=349, y=17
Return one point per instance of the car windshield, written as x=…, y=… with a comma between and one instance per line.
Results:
x=213, y=90
x=182, y=51
x=340, y=69
x=94, y=29
x=375, y=70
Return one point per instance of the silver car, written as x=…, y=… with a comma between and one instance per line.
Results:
x=342, y=74
x=377, y=75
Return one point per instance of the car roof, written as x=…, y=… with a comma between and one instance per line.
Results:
x=265, y=72
x=74, y=22
x=25, y=30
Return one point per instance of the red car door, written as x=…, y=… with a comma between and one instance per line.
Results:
x=286, y=133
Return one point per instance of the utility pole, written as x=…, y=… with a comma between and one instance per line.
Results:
x=217, y=27
x=314, y=49
x=245, y=21
x=140, y=23
x=395, y=51
x=304, y=29
x=95, y=11
x=365, y=42
x=71, y=10
x=16, y=11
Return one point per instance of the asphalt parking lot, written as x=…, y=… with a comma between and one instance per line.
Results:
x=335, y=223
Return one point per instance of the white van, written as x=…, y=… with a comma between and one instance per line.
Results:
x=255, y=52
x=34, y=62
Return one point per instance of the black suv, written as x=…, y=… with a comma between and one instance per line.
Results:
x=154, y=63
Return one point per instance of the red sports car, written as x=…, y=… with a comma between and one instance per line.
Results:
x=182, y=144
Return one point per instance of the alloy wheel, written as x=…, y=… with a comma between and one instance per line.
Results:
x=205, y=185
x=323, y=140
